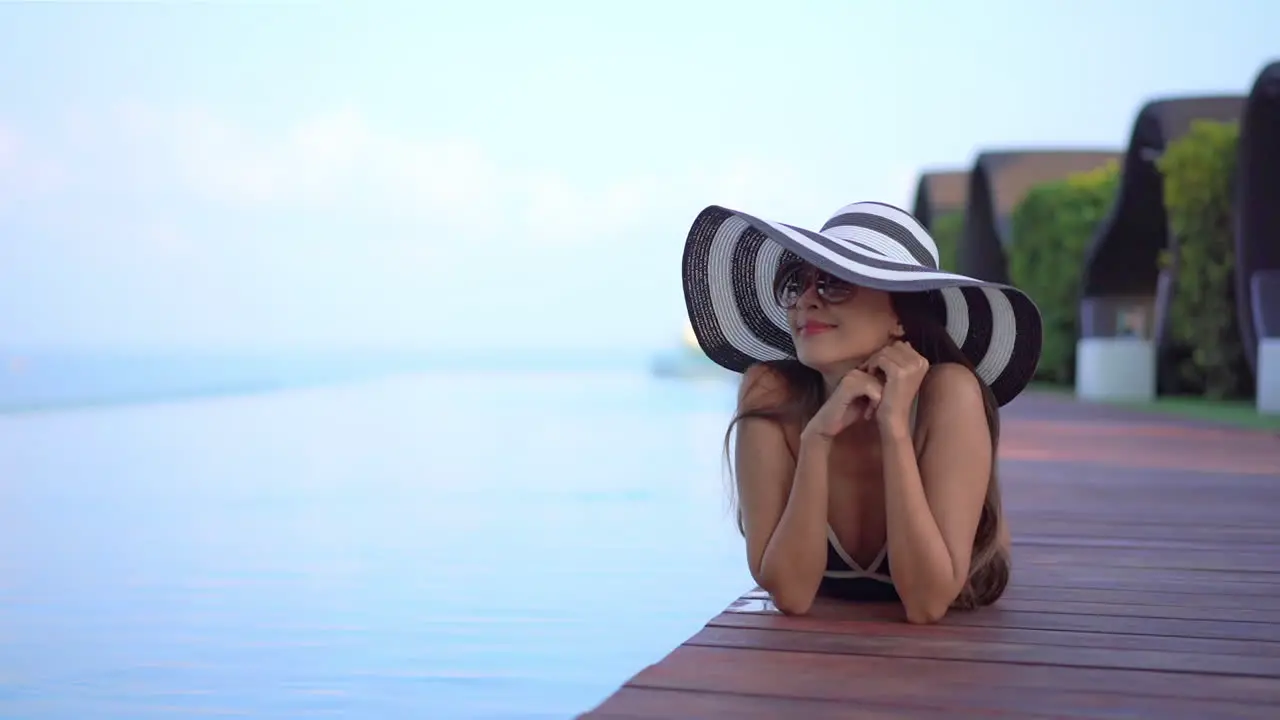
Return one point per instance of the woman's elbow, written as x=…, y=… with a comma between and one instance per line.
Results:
x=927, y=609
x=788, y=598
x=792, y=605
x=926, y=613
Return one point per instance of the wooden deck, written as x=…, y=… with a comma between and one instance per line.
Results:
x=1146, y=585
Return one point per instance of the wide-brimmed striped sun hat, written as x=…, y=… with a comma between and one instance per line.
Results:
x=731, y=259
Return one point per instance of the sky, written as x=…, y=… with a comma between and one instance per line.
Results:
x=236, y=176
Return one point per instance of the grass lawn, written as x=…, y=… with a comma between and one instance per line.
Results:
x=1240, y=413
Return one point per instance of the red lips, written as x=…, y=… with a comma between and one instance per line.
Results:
x=814, y=327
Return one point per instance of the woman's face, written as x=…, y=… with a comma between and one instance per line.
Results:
x=835, y=325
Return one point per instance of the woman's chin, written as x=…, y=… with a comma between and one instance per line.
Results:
x=827, y=363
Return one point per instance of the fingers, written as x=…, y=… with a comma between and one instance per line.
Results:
x=854, y=382
x=874, y=394
x=885, y=362
x=900, y=352
x=860, y=384
x=896, y=358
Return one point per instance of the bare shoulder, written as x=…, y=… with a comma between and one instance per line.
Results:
x=762, y=387
x=951, y=389
x=763, y=391
x=951, y=396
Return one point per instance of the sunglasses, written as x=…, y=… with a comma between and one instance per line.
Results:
x=794, y=280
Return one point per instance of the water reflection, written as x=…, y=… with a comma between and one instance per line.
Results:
x=441, y=545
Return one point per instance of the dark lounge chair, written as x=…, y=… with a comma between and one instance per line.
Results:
x=997, y=183
x=1124, y=294
x=1257, y=236
x=939, y=193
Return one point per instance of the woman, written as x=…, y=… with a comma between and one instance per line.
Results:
x=868, y=415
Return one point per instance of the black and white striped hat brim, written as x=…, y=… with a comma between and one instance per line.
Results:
x=731, y=258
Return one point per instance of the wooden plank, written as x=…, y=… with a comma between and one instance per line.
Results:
x=988, y=651
x=1146, y=583
x=937, y=683
x=1091, y=458
x=1082, y=572
x=1154, y=606
x=1167, y=583
x=1048, y=638
x=1164, y=612
x=1191, y=600
x=1262, y=565
x=1161, y=537
x=644, y=702
x=999, y=617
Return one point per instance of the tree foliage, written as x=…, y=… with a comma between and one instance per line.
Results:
x=1052, y=229
x=1198, y=171
x=946, y=230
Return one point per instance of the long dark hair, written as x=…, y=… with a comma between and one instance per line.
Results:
x=919, y=313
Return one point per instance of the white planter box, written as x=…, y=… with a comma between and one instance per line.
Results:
x=1116, y=368
x=1268, y=397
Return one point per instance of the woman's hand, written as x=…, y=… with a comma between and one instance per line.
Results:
x=857, y=396
x=902, y=370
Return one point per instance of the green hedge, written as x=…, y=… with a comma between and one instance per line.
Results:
x=1052, y=229
x=1198, y=171
x=946, y=230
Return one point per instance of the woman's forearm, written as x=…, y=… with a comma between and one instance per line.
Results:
x=796, y=554
x=923, y=571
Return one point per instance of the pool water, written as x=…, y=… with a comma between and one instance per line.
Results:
x=448, y=544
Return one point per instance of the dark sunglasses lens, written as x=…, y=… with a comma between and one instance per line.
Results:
x=834, y=290
x=790, y=288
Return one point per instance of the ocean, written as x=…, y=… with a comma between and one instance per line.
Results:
x=443, y=543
